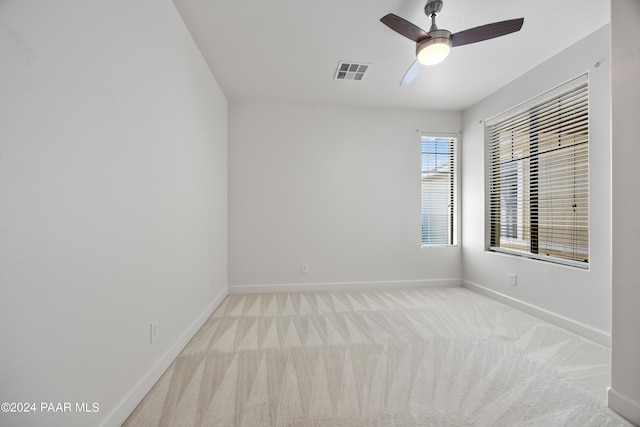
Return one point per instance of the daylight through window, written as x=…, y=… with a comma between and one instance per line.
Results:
x=438, y=190
x=539, y=177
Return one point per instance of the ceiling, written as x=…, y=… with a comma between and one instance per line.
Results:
x=288, y=50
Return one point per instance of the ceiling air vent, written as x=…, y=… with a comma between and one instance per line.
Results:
x=350, y=71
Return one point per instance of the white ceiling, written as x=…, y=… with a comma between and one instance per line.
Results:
x=288, y=50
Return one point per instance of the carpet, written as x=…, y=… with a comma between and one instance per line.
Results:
x=409, y=357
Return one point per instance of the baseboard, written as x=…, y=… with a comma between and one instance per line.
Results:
x=624, y=406
x=338, y=286
x=581, y=329
x=126, y=406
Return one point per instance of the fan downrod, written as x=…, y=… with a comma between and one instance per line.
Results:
x=432, y=9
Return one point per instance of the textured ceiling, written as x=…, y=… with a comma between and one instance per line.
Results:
x=288, y=50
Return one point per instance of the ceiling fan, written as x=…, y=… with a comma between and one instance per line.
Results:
x=433, y=46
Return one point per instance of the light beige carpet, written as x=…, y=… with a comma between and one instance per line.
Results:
x=414, y=357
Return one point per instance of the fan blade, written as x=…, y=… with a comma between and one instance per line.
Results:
x=404, y=27
x=411, y=73
x=486, y=32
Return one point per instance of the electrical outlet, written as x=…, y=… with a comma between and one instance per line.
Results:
x=153, y=331
x=513, y=279
x=304, y=268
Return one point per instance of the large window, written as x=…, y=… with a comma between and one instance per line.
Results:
x=539, y=177
x=438, y=190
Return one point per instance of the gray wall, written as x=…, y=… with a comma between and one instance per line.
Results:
x=112, y=202
x=624, y=395
x=337, y=188
x=575, y=298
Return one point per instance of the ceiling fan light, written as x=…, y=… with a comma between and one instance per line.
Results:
x=433, y=50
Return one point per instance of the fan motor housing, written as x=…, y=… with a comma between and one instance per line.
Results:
x=441, y=36
x=434, y=49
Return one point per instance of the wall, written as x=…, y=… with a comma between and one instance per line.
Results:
x=624, y=394
x=574, y=298
x=112, y=202
x=335, y=187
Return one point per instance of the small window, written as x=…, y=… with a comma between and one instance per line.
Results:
x=539, y=177
x=438, y=189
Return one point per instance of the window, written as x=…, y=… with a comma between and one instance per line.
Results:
x=438, y=189
x=539, y=177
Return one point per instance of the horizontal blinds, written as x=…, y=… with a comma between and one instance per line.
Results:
x=539, y=178
x=437, y=190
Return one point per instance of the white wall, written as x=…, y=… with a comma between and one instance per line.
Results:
x=574, y=298
x=335, y=187
x=112, y=202
x=624, y=394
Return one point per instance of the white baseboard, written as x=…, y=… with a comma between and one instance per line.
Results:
x=624, y=406
x=581, y=329
x=341, y=286
x=131, y=400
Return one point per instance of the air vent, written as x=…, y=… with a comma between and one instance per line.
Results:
x=350, y=71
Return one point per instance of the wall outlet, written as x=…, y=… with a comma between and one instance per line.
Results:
x=304, y=268
x=153, y=331
x=513, y=279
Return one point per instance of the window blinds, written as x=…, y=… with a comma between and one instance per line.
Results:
x=539, y=177
x=438, y=190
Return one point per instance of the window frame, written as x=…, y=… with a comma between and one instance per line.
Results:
x=453, y=221
x=532, y=103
